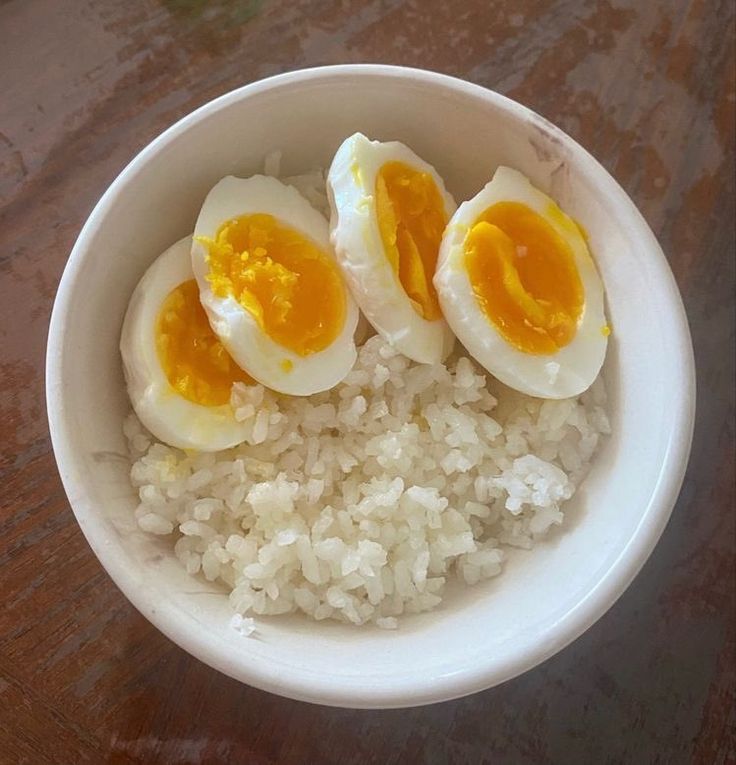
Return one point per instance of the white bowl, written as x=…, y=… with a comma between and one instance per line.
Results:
x=481, y=635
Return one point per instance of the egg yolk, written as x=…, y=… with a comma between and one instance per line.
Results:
x=524, y=278
x=411, y=219
x=291, y=287
x=195, y=362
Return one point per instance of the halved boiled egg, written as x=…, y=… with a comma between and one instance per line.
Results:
x=519, y=288
x=271, y=287
x=389, y=209
x=178, y=373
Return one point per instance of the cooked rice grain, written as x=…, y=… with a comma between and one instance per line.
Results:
x=359, y=503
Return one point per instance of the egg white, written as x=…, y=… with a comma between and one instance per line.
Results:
x=168, y=415
x=263, y=358
x=574, y=367
x=356, y=236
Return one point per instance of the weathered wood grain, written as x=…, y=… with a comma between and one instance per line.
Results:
x=84, y=84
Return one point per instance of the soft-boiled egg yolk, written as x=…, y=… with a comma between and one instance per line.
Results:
x=411, y=219
x=290, y=286
x=195, y=362
x=524, y=278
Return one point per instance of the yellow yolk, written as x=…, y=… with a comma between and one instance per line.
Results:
x=195, y=362
x=411, y=219
x=289, y=285
x=524, y=277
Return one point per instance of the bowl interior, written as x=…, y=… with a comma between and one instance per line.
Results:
x=482, y=634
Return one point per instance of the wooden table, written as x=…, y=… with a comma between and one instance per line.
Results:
x=648, y=87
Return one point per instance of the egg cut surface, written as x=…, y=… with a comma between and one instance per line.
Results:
x=179, y=376
x=389, y=209
x=270, y=285
x=519, y=288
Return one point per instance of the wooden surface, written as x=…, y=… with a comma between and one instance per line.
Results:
x=648, y=88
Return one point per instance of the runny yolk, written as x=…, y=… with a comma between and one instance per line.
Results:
x=524, y=277
x=195, y=362
x=291, y=287
x=411, y=219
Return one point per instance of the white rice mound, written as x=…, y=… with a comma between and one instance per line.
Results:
x=359, y=503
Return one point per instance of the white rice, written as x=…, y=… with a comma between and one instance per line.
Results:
x=358, y=504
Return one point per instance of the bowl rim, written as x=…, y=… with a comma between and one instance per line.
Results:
x=334, y=690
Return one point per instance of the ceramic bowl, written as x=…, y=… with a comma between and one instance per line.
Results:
x=481, y=635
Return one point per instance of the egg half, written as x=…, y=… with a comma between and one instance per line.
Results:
x=270, y=285
x=519, y=288
x=389, y=209
x=178, y=374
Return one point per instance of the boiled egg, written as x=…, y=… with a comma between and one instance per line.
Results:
x=519, y=288
x=389, y=209
x=178, y=374
x=270, y=285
